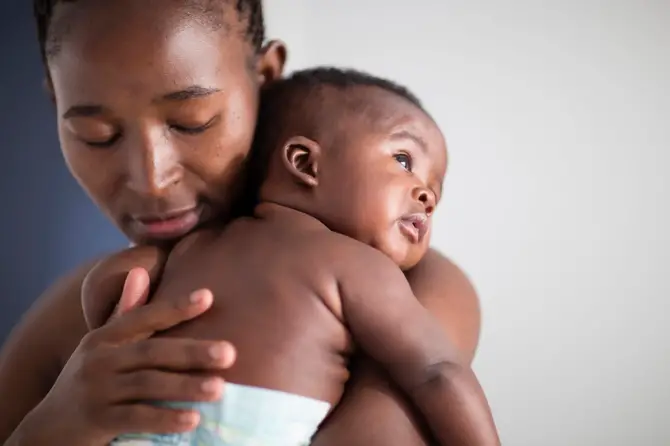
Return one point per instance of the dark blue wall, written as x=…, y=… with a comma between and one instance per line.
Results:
x=47, y=224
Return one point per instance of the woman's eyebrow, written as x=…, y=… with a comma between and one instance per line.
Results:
x=194, y=91
x=83, y=111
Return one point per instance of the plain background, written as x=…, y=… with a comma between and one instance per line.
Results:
x=557, y=116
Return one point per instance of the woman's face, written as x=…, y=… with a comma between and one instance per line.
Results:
x=156, y=110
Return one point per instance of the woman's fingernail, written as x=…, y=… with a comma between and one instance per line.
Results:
x=211, y=385
x=218, y=351
x=189, y=418
x=199, y=297
x=196, y=297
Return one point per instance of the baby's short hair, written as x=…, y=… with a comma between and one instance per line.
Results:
x=304, y=82
x=299, y=100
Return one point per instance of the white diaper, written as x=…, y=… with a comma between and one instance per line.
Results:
x=245, y=416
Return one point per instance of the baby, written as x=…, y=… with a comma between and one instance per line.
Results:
x=348, y=169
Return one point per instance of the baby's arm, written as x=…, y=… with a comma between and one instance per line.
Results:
x=391, y=326
x=103, y=285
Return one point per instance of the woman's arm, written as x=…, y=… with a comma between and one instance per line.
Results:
x=372, y=411
x=95, y=394
x=32, y=357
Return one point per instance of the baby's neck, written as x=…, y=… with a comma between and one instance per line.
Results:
x=282, y=214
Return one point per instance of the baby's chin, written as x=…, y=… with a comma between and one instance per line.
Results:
x=412, y=258
x=408, y=255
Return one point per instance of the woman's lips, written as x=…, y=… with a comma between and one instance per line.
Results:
x=169, y=225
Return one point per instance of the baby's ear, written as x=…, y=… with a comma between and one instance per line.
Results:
x=301, y=156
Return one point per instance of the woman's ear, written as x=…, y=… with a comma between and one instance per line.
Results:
x=271, y=61
x=300, y=156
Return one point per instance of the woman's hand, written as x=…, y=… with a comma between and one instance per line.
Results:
x=99, y=393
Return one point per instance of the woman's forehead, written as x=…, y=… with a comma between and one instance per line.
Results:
x=142, y=58
x=214, y=14
x=103, y=29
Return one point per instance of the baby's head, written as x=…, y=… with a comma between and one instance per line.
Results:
x=355, y=151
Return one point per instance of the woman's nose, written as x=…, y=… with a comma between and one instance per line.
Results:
x=154, y=166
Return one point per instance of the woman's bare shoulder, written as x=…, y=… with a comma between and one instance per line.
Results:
x=32, y=357
x=55, y=319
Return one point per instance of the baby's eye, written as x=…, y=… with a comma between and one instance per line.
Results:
x=404, y=160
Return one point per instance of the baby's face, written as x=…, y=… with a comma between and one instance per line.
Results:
x=381, y=181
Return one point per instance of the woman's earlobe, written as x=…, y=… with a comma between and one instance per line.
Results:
x=301, y=158
x=272, y=60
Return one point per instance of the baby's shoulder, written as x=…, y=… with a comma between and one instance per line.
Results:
x=150, y=258
x=345, y=253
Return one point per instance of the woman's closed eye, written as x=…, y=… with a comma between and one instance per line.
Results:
x=102, y=144
x=181, y=128
x=193, y=129
x=93, y=132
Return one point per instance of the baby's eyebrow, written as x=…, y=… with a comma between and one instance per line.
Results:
x=408, y=135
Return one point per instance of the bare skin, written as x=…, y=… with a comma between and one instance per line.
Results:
x=57, y=375
x=372, y=411
x=319, y=289
x=297, y=337
x=138, y=87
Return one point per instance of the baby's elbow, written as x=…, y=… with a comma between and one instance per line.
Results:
x=435, y=377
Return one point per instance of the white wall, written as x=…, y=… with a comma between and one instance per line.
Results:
x=558, y=119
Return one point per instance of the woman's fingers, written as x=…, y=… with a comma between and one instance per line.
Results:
x=144, y=321
x=158, y=385
x=174, y=354
x=135, y=292
x=151, y=419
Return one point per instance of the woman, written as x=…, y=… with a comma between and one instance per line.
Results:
x=156, y=105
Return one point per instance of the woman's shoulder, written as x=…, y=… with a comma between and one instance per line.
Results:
x=34, y=354
x=447, y=292
x=55, y=319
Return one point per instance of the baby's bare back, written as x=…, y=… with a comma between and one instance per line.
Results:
x=275, y=298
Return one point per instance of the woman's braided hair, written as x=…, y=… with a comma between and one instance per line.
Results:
x=249, y=11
